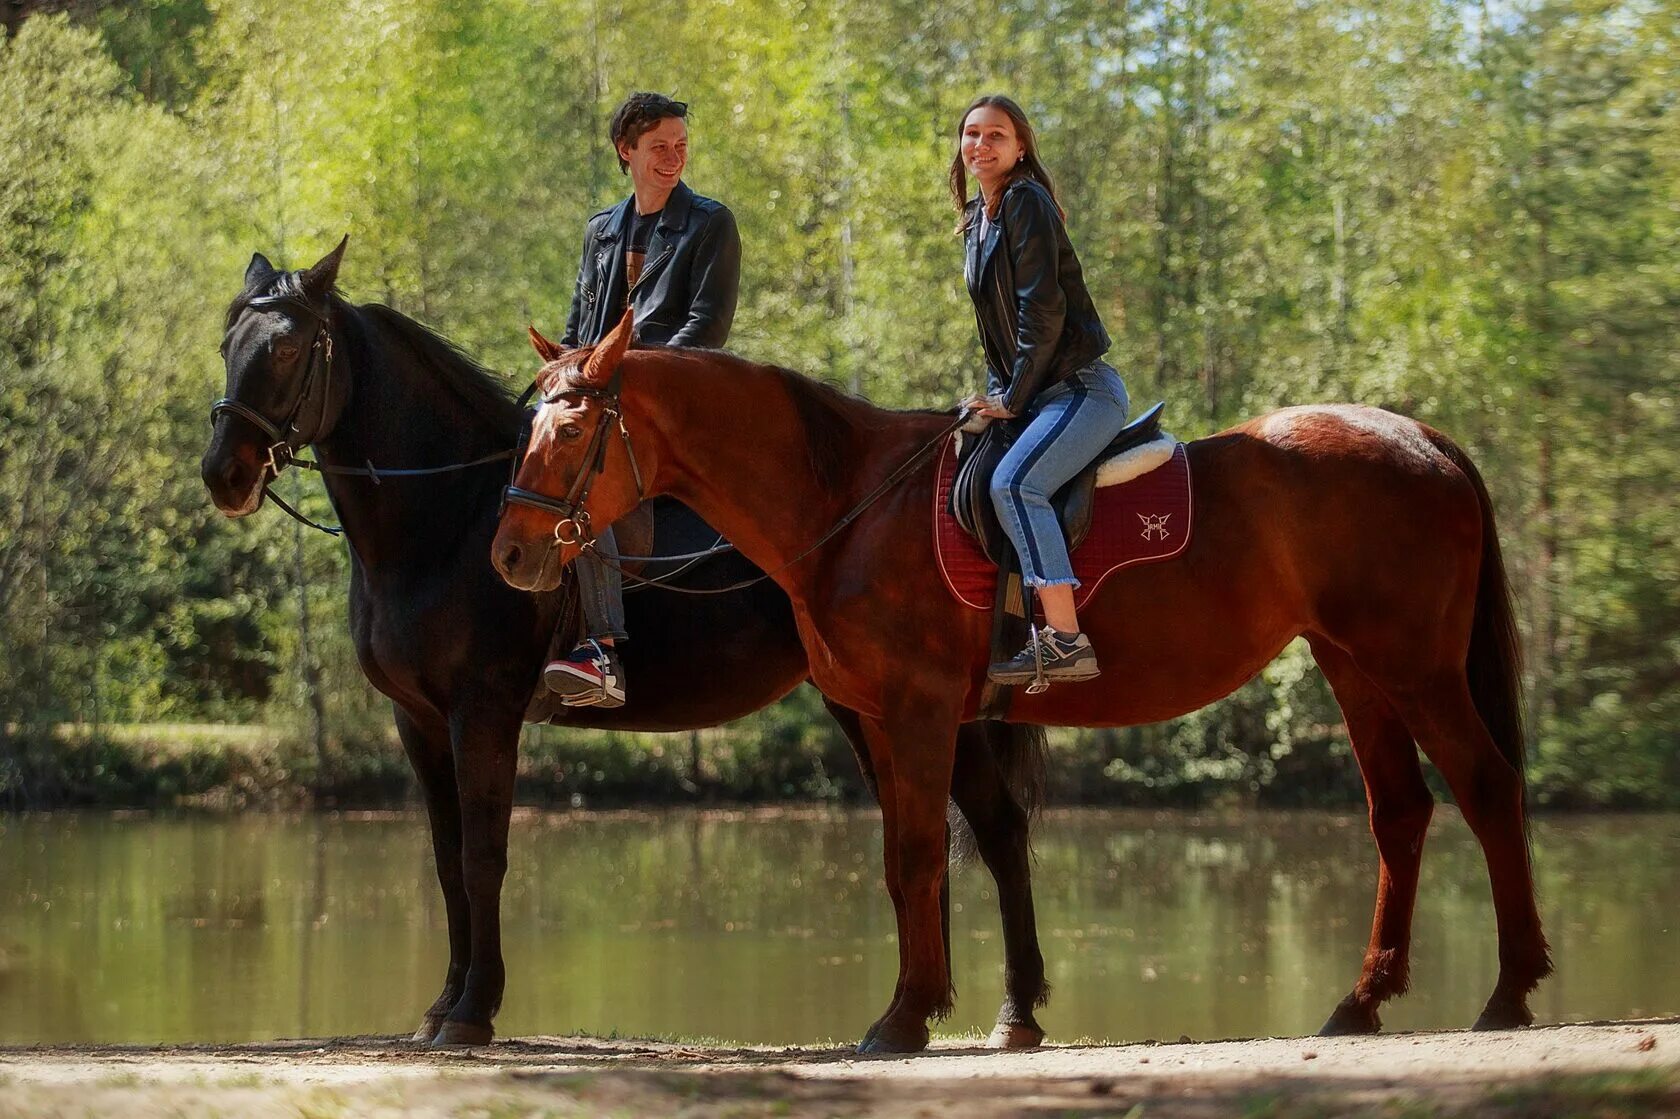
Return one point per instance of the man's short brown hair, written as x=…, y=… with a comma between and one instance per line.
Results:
x=639, y=114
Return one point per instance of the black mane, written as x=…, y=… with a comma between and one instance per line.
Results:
x=826, y=413
x=482, y=392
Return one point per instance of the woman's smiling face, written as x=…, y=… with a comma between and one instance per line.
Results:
x=990, y=148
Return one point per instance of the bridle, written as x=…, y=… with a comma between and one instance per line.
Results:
x=573, y=526
x=286, y=438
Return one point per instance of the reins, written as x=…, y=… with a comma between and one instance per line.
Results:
x=571, y=513
x=904, y=470
x=286, y=438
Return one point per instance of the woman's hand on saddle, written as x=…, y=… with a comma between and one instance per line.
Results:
x=991, y=407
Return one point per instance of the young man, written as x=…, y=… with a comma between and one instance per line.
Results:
x=674, y=257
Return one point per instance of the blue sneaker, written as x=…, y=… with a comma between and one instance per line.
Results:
x=1063, y=657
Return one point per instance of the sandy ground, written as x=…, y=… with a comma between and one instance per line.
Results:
x=1598, y=1069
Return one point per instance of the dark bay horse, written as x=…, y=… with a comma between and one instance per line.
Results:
x=458, y=651
x=1369, y=533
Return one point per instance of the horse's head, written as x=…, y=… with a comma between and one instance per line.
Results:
x=577, y=474
x=282, y=391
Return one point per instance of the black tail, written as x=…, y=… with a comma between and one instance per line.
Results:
x=1494, y=663
x=1020, y=753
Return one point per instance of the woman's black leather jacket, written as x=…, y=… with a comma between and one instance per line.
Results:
x=1037, y=322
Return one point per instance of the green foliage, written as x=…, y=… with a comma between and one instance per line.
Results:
x=1468, y=214
x=791, y=751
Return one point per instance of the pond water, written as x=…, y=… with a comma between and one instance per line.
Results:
x=775, y=926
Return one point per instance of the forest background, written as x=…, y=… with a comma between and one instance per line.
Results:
x=1465, y=212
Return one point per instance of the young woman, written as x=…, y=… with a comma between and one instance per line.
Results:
x=1043, y=341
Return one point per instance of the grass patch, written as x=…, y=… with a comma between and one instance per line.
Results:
x=1597, y=1095
x=1600, y=1095
x=323, y=1103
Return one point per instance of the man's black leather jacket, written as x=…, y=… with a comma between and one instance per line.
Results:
x=1037, y=322
x=686, y=293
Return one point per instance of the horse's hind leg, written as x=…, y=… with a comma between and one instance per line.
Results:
x=1000, y=832
x=1400, y=807
x=1000, y=828
x=1489, y=791
x=426, y=741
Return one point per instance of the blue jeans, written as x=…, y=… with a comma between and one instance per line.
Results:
x=1066, y=426
x=601, y=591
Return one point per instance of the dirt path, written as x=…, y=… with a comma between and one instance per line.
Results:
x=1602, y=1069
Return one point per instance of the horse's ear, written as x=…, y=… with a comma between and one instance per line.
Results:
x=610, y=352
x=258, y=270
x=320, y=279
x=546, y=350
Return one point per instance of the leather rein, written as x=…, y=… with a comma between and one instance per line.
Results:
x=287, y=438
x=573, y=527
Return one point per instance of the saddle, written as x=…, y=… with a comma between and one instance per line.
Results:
x=971, y=498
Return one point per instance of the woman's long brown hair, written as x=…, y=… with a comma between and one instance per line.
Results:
x=1030, y=166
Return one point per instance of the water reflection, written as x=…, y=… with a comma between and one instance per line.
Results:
x=776, y=927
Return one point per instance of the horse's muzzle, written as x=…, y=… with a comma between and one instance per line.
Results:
x=527, y=566
x=234, y=479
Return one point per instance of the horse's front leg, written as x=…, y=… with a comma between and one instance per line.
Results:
x=485, y=743
x=912, y=752
x=425, y=740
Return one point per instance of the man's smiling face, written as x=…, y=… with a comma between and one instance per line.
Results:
x=658, y=157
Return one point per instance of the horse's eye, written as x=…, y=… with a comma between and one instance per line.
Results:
x=571, y=431
x=285, y=351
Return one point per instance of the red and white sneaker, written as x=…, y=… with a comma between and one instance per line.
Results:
x=588, y=676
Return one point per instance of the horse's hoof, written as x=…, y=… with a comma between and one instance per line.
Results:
x=1015, y=1035
x=885, y=1040
x=428, y=1030
x=1351, y=1019
x=1504, y=1016
x=455, y=1033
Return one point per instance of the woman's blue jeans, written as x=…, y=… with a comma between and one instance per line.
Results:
x=1067, y=425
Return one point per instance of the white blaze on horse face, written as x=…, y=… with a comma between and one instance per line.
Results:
x=263, y=354
x=558, y=434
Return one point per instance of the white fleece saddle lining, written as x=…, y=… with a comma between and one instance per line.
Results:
x=1126, y=465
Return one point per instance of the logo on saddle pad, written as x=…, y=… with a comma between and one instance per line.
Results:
x=1154, y=525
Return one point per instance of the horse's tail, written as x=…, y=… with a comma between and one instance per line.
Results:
x=1494, y=663
x=1021, y=753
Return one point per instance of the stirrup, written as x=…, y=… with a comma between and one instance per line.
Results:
x=1039, y=683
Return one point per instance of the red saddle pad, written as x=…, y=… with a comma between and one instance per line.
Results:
x=1145, y=520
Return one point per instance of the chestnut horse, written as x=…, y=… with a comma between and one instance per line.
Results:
x=458, y=651
x=1366, y=532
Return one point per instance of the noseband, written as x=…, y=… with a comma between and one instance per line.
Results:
x=573, y=524
x=284, y=438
